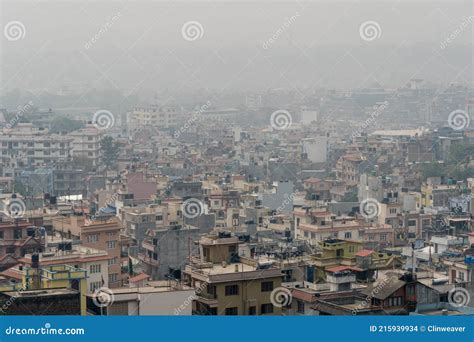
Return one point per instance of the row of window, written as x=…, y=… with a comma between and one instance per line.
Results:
x=32, y=144
x=264, y=310
x=94, y=238
x=233, y=290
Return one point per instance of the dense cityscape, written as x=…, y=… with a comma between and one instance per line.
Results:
x=214, y=211
x=313, y=200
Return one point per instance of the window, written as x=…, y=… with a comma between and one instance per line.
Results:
x=266, y=309
x=17, y=234
x=300, y=306
x=94, y=285
x=111, y=244
x=383, y=237
x=252, y=311
x=267, y=286
x=92, y=238
x=1, y=235
x=113, y=277
x=232, y=290
x=94, y=268
x=111, y=233
x=112, y=261
x=232, y=311
x=393, y=210
x=347, y=235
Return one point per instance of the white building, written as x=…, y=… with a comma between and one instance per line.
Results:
x=26, y=145
x=86, y=143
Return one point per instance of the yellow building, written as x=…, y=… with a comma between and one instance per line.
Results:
x=335, y=252
x=230, y=285
x=54, y=277
x=437, y=195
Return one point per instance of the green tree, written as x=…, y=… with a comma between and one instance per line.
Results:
x=433, y=169
x=109, y=150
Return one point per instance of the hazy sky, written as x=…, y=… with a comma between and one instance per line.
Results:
x=140, y=44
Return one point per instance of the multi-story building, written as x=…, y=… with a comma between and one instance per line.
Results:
x=28, y=146
x=166, y=250
x=86, y=143
x=49, y=290
x=435, y=194
x=100, y=234
x=155, y=298
x=154, y=116
x=68, y=181
x=17, y=238
x=94, y=261
x=228, y=284
x=349, y=168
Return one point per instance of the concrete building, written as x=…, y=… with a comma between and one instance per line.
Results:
x=86, y=143
x=156, y=298
x=94, y=261
x=316, y=149
x=102, y=235
x=153, y=116
x=28, y=146
x=280, y=198
x=17, y=238
x=228, y=284
x=165, y=250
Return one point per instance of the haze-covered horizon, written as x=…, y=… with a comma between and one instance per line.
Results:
x=72, y=47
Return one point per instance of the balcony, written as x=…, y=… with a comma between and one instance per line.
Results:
x=207, y=299
x=148, y=245
x=146, y=259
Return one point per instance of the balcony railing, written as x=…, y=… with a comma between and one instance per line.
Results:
x=148, y=260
